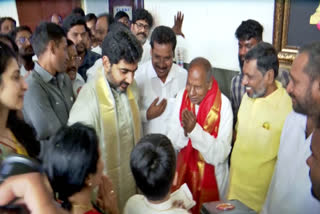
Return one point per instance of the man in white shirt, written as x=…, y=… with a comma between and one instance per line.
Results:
x=314, y=163
x=141, y=24
x=201, y=129
x=289, y=191
x=22, y=36
x=72, y=68
x=101, y=30
x=159, y=80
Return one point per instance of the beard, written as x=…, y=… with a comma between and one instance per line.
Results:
x=81, y=48
x=26, y=52
x=115, y=84
x=27, y=57
x=259, y=91
x=314, y=193
x=257, y=94
x=142, y=37
x=306, y=105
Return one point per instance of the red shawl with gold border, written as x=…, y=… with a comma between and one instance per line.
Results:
x=191, y=166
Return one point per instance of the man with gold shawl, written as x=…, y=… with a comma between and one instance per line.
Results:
x=109, y=104
x=201, y=129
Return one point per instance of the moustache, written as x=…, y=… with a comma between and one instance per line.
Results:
x=291, y=95
x=72, y=69
x=124, y=83
x=29, y=48
x=143, y=34
x=162, y=68
x=81, y=44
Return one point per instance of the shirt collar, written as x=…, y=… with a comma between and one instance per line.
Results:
x=45, y=75
x=166, y=205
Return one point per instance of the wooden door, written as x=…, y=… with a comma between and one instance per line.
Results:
x=32, y=12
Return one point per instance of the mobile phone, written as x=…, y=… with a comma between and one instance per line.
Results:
x=16, y=165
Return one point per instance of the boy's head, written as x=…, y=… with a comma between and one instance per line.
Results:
x=153, y=164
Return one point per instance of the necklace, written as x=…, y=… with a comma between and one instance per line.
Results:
x=84, y=207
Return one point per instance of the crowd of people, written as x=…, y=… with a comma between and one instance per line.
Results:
x=101, y=104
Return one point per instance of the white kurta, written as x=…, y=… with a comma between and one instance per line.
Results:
x=77, y=83
x=97, y=50
x=24, y=72
x=215, y=151
x=151, y=87
x=290, y=188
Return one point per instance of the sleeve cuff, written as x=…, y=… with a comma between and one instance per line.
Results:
x=143, y=115
x=194, y=135
x=198, y=142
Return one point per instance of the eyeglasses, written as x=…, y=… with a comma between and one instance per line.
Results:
x=140, y=26
x=77, y=59
x=22, y=40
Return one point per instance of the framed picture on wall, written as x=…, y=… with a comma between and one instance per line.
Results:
x=125, y=5
x=292, y=27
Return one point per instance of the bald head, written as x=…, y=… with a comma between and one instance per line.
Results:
x=204, y=65
x=199, y=79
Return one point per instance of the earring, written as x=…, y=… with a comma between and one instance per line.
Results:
x=90, y=184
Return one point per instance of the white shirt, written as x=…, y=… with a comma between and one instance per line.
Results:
x=77, y=83
x=138, y=204
x=181, y=53
x=290, y=188
x=215, y=151
x=97, y=49
x=91, y=72
x=24, y=72
x=146, y=55
x=150, y=87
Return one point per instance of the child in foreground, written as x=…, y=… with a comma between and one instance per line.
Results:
x=153, y=164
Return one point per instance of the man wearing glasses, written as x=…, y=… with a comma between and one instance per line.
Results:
x=76, y=30
x=159, y=80
x=141, y=24
x=22, y=35
x=72, y=68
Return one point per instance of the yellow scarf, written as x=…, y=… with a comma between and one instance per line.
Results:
x=109, y=119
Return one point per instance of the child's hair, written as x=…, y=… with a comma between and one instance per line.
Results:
x=153, y=164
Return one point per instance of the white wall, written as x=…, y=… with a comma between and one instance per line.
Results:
x=9, y=8
x=96, y=6
x=209, y=25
